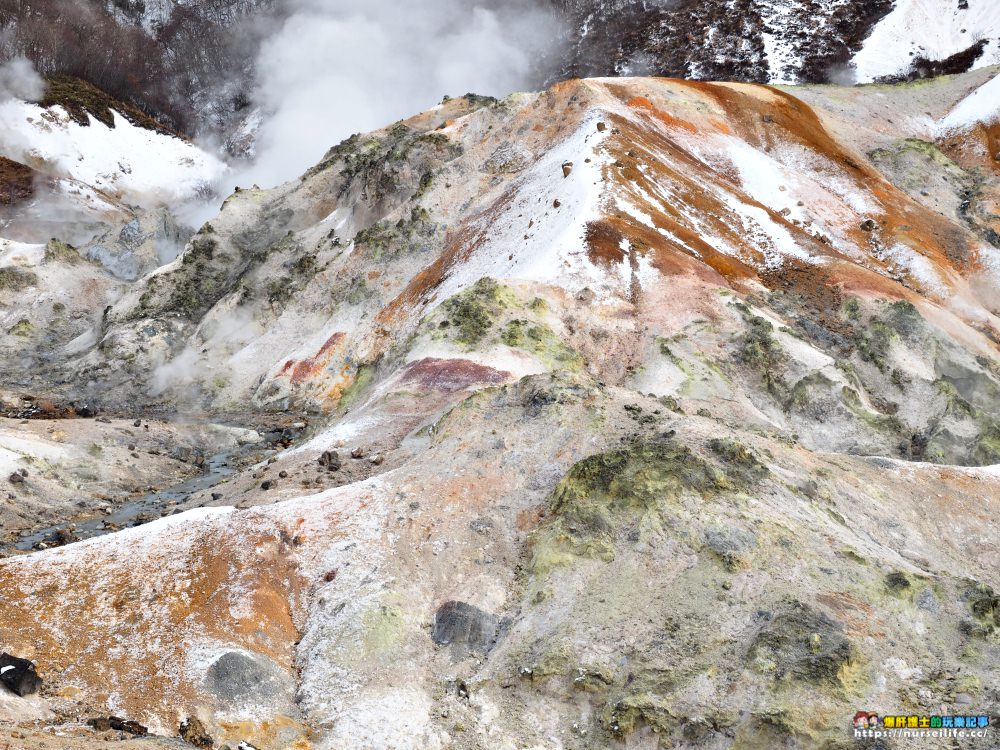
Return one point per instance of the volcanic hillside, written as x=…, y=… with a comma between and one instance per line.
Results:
x=641, y=413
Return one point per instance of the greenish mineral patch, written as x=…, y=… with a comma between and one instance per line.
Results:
x=743, y=468
x=57, y=251
x=804, y=391
x=623, y=495
x=363, y=378
x=954, y=403
x=904, y=318
x=873, y=343
x=491, y=314
x=987, y=448
x=984, y=604
x=897, y=582
x=912, y=161
x=22, y=328
x=539, y=339
x=802, y=644
x=376, y=161
x=647, y=708
x=473, y=312
x=384, y=240
x=279, y=291
x=733, y=546
x=760, y=352
x=16, y=279
x=880, y=422
x=199, y=282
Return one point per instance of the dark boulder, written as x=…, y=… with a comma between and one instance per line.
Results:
x=193, y=732
x=462, y=625
x=85, y=411
x=331, y=460
x=19, y=675
x=108, y=723
x=237, y=678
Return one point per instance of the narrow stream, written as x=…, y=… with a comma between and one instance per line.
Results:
x=154, y=505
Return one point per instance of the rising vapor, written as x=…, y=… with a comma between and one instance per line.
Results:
x=335, y=67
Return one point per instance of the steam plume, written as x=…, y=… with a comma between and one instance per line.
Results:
x=335, y=67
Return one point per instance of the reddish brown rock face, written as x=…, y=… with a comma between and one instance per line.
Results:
x=451, y=374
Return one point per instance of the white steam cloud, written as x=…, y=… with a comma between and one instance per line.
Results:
x=336, y=67
x=19, y=80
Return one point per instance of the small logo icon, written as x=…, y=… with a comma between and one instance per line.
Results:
x=865, y=720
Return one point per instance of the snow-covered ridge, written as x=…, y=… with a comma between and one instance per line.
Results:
x=931, y=29
x=129, y=162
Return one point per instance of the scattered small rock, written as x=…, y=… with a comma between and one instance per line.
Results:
x=358, y=453
x=601, y=127
x=868, y=225
x=15, y=478
x=266, y=484
x=567, y=168
x=283, y=475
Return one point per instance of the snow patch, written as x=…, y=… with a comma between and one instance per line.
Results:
x=770, y=238
x=981, y=106
x=552, y=249
x=140, y=165
x=917, y=266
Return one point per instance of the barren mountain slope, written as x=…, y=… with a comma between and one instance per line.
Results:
x=665, y=414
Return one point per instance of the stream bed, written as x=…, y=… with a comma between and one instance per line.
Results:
x=135, y=512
